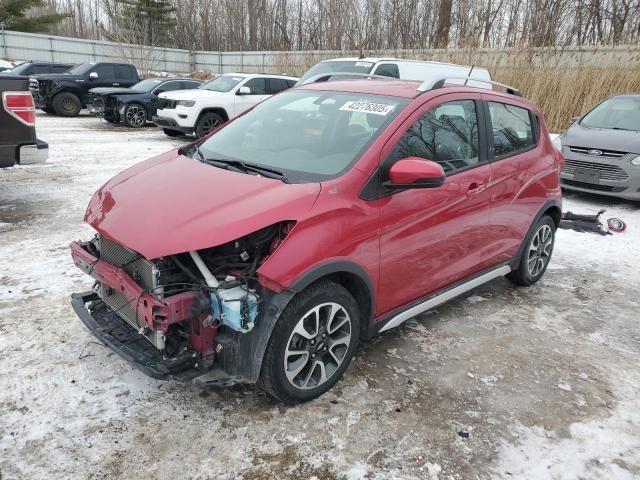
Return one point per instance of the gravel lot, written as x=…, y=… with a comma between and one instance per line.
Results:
x=504, y=382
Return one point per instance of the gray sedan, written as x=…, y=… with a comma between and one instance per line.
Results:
x=602, y=149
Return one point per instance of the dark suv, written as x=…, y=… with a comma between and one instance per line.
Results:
x=18, y=142
x=67, y=93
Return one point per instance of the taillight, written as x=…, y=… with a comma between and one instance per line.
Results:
x=20, y=105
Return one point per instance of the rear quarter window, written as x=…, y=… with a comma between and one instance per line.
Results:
x=513, y=129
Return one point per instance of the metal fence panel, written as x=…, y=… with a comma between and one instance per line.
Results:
x=30, y=46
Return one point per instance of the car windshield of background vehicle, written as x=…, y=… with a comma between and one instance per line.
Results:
x=308, y=136
x=20, y=69
x=618, y=113
x=223, y=83
x=146, y=85
x=340, y=66
x=81, y=69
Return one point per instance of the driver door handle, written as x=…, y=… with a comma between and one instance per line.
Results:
x=475, y=188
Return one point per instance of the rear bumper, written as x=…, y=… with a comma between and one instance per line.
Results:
x=136, y=350
x=33, y=154
x=171, y=124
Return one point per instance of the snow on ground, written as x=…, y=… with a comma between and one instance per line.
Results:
x=505, y=382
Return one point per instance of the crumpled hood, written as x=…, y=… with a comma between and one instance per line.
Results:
x=190, y=94
x=173, y=204
x=56, y=76
x=602, y=139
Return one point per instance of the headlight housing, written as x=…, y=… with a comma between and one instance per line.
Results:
x=186, y=103
x=636, y=161
x=557, y=142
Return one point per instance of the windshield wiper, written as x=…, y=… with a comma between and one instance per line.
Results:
x=247, y=167
x=625, y=129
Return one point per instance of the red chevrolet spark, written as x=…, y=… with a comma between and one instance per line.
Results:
x=268, y=251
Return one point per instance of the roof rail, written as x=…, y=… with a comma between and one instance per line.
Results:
x=323, y=77
x=435, y=84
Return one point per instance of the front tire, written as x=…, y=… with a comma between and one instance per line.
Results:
x=135, y=115
x=66, y=104
x=312, y=343
x=537, y=253
x=207, y=122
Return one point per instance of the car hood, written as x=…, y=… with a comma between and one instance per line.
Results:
x=602, y=139
x=190, y=94
x=173, y=204
x=118, y=90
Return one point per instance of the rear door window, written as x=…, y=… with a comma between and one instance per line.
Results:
x=125, y=72
x=513, y=132
x=185, y=85
x=277, y=85
x=388, y=70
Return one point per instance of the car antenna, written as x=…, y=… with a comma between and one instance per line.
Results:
x=469, y=74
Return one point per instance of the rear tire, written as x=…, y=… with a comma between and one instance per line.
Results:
x=311, y=344
x=66, y=104
x=537, y=253
x=135, y=115
x=171, y=133
x=208, y=122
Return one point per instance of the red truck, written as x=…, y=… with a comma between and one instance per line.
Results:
x=267, y=251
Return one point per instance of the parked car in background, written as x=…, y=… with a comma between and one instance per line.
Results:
x=395, y=68
x=324, y=215
x=5, y=65
x=67, y=93
x=602, y=149
x=135, y=106
x=18, y=141
x=214, y=103
x=37, y=68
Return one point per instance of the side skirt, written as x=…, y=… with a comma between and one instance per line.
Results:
x=394, y=319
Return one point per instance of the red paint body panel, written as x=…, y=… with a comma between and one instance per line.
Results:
x=173, y=204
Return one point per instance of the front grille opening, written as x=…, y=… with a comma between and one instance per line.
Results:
x=592, y=186
x=607, y=172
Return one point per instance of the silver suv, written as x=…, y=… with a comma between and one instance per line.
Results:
x=602, y=149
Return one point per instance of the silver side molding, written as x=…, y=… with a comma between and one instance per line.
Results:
x=445, y=296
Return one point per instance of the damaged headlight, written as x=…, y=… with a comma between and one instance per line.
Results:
x=186, y=103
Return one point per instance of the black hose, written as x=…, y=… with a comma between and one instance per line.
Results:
x=186, y=270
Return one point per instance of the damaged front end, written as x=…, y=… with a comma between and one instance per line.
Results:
x=200, y=315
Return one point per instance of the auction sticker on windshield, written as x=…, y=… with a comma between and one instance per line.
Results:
x=367, y=107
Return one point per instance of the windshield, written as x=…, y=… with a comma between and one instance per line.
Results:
x=81, y=69
x=338, y=66
x=146, y=85
x=20, y=69
x=621, y=113
x=223, y=83
x=308, y=136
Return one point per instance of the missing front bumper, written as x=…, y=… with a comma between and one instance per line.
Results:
x=119, y=336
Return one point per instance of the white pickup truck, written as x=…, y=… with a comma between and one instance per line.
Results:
x=201, y=110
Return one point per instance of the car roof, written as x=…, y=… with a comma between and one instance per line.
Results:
x=401, y=88
x=254, y=75
x=167, y=79
x=392, y=59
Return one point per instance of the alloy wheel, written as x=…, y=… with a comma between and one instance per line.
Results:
x=136, y=116
x=540, y=250
x=317, y=346
x=209, y=124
